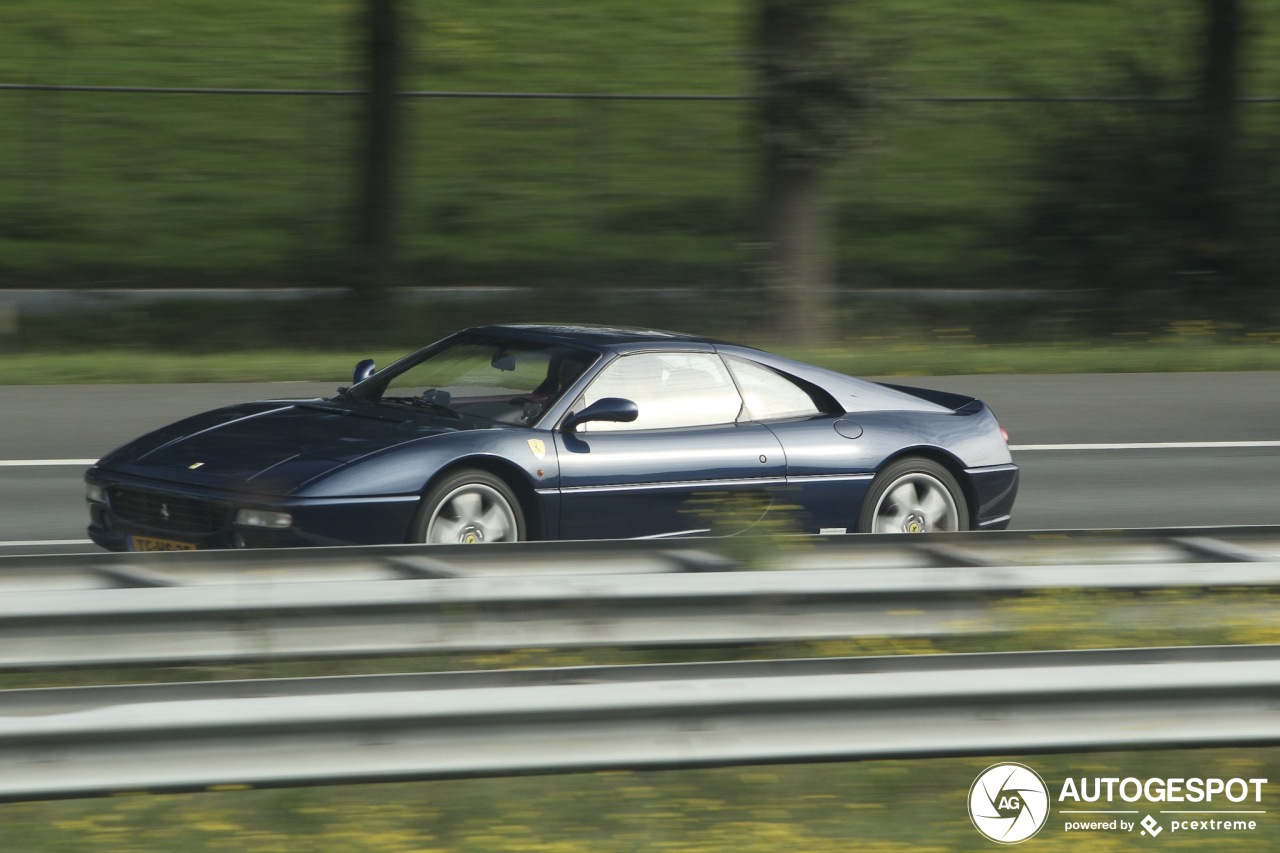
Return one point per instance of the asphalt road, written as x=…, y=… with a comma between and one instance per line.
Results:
x=1052, y=421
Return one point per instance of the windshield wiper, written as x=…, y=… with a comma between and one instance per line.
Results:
x=327, y=405
x=424, y=403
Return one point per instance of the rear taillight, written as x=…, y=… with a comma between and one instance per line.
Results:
x=1004, y=433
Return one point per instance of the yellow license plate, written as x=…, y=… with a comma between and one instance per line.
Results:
x=146, y=543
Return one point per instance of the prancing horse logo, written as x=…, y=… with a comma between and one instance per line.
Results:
x=164, y=511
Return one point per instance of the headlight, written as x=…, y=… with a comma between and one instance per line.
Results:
x=93, y=493
x=264, y=518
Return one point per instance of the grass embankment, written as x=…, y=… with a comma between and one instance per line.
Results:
x=106, y=189
x=321, y=339
x=875, y=806
x=878, y=358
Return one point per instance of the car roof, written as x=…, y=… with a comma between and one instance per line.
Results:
x=594, y=337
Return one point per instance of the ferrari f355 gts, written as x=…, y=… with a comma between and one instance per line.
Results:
x=516, y=432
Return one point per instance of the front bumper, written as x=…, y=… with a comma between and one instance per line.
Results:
x=205, y=518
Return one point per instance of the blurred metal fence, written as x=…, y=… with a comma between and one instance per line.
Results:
x=490, y=182
x=85, y=610
x=606, y=96
x=78, y=742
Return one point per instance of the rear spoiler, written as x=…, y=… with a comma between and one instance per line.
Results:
x=958, y=403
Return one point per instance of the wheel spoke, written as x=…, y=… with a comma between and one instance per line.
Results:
x=494, y=523
x=444, y=530
x=903, y=497
x=934, y=507
x=891, y=522
x=466, y=506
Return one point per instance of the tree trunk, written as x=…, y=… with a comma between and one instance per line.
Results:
x=374, y=226
x=796, y=252
x=801, y=118
x=1215, y=141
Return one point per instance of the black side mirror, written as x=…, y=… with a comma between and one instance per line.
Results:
x=363, y=371
x=613, y=409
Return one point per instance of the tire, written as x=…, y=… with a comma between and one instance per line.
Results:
x=469, y=507
x=913, y=495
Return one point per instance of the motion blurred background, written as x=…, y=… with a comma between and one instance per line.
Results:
x=807, y=172
x=930, y=185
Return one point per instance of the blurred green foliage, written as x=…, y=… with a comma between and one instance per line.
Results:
x=728, y=515
x=319, y=340
x=873, y=806
x=179, y=190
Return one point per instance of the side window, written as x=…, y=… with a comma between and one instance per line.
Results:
x=670, y=389
x=770, y=395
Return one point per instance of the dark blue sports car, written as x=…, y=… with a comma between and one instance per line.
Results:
x=504, y=433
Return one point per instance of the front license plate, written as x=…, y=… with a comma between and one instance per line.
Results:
x=146, y=543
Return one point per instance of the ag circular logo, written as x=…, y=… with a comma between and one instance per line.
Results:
x=1008, y=803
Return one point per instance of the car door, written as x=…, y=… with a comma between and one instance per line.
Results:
x=685, y=466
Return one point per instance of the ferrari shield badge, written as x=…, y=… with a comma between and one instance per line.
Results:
x=539, y=449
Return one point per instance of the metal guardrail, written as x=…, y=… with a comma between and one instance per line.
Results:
x=254, y=606
x=364, y=564
x=20, y=573
x=95, y=741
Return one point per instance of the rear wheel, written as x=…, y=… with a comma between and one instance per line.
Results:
x=468, y=508
x=913, y=495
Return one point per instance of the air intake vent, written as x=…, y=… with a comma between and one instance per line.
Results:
x=168, y=512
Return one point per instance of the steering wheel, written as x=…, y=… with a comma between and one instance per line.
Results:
x=532, y=407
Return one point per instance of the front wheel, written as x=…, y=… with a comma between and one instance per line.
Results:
x=913, y=495
x=468, y=508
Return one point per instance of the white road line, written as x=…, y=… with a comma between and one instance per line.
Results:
x=1148, y=445
x=45, y=463
x=27, y=543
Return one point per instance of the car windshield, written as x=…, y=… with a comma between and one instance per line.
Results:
x=503, y=381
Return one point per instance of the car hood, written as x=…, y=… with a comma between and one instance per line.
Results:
x=271, y=446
